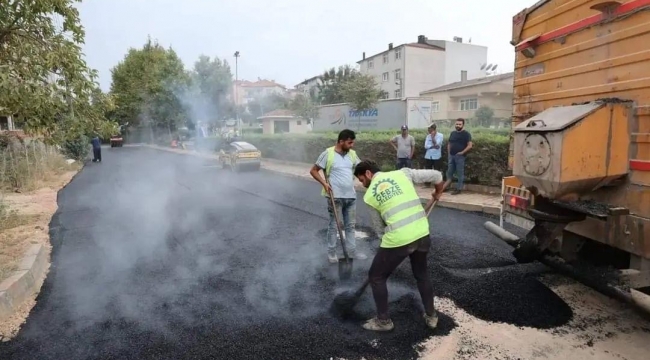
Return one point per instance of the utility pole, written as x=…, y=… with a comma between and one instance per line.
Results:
x=236, y=93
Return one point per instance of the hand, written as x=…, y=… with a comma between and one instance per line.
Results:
x=436, y=195
x=328, y=188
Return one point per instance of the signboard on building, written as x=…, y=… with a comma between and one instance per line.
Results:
x=419, y=113
x=387, y=114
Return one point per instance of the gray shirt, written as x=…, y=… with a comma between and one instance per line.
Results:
x=417, y=177
x=404, y=146
x=341, y=177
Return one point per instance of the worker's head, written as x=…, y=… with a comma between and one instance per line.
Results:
x=365, y=170
x=432, y=128
x=460, y=124
x=346, y=139
x=405, y=130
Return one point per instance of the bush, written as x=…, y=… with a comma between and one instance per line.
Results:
x=487, y=162
x=77, y=149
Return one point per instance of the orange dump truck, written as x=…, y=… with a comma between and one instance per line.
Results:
x=580, y=146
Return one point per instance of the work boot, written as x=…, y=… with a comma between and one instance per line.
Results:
x=432, y=321
x=332, y=258
x=376, y=324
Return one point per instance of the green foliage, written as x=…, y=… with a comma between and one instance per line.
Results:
x=265, y=104
x=304, y=107
x=361, y=93
x=147, y=86
x=484, y=115
x=211, y=86
x=44, y=81
x=486, y=163
x=77, y=149
x=332, y=81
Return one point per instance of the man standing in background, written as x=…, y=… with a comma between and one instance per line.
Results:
x=460, y=142
x=433, y=146
x=405, y=147
x=97, y=149
x=337, y=163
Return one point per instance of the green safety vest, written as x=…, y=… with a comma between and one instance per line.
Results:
x=394, y=196
x=330, y=161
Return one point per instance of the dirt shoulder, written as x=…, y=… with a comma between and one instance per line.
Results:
x=26, y=223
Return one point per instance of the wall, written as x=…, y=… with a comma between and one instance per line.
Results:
x=389, y=114
x=268, y=125
x=462, y=56
x=425, y=69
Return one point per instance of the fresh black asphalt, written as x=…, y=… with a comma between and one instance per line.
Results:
x=165, y=256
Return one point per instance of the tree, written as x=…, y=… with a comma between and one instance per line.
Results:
x=212, y=85
x=147, y=86
x=265, y=104
x=332, y=82
x=361, y=93
x=44, y=81
x=304, y=107
x=484, y=115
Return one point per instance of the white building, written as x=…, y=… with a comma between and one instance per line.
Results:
x=408, y=69
x=309, y=86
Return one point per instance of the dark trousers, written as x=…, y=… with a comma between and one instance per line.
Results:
x=97, y=154
x=387, y=260
x=403, y=163
x=433, y=164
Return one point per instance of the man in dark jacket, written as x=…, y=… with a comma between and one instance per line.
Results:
x=97, y=149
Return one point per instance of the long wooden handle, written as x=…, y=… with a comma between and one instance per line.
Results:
x=338, y=223
x=430, y=206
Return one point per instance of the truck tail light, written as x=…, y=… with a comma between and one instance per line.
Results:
x=517, y=202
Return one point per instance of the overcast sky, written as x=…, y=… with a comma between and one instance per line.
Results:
x=290, y=40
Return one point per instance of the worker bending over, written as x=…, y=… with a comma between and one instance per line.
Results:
x=401, y=223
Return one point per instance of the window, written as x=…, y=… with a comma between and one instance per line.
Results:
x=384, y=95
x=371, y=64
x=398, y=93
x=398, y=54
x=468, y=104
x=435, y=106
x=384, y=77
x=398, y=74
x=386, y=58
x=298, y=122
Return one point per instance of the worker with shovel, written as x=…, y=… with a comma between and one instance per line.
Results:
x=403, y=227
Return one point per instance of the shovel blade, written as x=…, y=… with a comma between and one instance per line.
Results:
x=345, y=268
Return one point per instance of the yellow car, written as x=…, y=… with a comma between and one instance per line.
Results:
x=239, y=156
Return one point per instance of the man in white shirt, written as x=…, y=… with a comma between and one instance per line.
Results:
x=433, y=146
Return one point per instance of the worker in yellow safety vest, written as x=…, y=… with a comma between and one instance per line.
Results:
x=337, y=163
x=401, y=223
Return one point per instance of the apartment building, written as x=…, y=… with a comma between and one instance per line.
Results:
x=408, y=69
x=309, y=86
x=245, y=91
x=461, y=99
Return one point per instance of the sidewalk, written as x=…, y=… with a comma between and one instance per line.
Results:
x=467, y=201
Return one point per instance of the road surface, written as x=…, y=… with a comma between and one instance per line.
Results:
x=160, y=255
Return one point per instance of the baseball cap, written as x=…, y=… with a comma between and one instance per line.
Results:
x=404, y=127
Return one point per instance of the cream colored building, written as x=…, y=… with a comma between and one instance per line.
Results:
x=461, y=99
x=283, y=121
x=245, y=91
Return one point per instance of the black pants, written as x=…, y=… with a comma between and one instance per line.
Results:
x=387, y=260
x=433, y=164
x=97, y=154
x=403, y=162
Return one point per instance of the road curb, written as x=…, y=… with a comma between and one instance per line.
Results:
x=469, y=207
x=25, y=281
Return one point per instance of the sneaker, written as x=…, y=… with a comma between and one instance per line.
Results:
x=432, y=321
x=332, y=258
x=375, y=324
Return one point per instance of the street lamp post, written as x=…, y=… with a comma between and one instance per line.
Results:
x=236, y=92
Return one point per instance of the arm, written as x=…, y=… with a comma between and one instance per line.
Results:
x=393, y=142
x=422, y=176
x=428, y=142
x=378, y=224
x=412, y=147
x=438, y=141
x=317, y=167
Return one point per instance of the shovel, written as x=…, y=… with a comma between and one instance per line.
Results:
x=345, y=301
x=345, y=263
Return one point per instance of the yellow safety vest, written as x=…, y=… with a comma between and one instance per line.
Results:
x=330, y=161
x=394, y=196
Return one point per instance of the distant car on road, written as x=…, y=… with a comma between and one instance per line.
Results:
x=116, y=141
x=239, y=156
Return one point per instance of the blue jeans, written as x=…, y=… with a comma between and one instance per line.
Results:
x=403, y=163
x=346, y=209
x=457, y=166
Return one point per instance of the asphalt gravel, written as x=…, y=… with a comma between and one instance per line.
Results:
x=159, y=255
